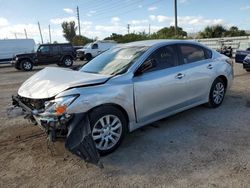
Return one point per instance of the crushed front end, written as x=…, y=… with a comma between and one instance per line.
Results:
x=50, y=115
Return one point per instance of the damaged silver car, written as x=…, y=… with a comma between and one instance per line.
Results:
x=124, y=88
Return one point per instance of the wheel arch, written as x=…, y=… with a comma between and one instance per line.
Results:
x=119, y=107
x=224, y=78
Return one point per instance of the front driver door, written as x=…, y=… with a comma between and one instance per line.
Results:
x=161, y=90
x=43, y=54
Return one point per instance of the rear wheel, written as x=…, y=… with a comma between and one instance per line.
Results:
x=67, y=61
x=248, y=70
x=26, y=65
x=108, y=127
x=217, y=93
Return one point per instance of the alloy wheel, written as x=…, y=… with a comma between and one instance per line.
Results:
x=218, y=93
x=107, y=132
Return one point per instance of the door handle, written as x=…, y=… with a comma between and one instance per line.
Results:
x=210, y=66
x=179, y=76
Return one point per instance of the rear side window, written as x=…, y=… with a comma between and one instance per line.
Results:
x=194, y=53
x=55, y=48
x=67, y=48
x=165, y=57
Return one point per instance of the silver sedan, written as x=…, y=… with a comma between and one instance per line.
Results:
x=125, y=88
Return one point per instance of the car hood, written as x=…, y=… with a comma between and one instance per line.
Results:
x=27, y=54
x=51, y=81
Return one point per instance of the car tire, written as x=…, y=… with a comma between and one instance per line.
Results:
x=26, y=65
x=248, y=70
x=67, y=61
x=217, y=93
x=81, y=58
x=88, y=57
x=108, y=128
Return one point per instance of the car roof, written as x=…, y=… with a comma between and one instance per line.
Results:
x=150, y=43
x=56, y=44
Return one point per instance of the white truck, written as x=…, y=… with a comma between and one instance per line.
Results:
x=94, y=49
x=10, y=47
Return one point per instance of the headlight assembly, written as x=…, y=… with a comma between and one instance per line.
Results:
x=59, y=105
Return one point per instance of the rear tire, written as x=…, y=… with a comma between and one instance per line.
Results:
x=26, y=65
x=248, y=70
x=217, y=93
x=108, y=128
x=68, y=61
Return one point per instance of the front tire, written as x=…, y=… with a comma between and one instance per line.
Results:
x=108, y=128
x=217, y=93
x=88, y=57
x=26, y=65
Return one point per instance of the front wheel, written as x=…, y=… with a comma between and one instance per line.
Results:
x=26, y=65
x=217, y=93
x=108, y=127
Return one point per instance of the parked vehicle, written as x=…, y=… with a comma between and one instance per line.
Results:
x=94, y=49
x=246, y=63
x=226, y=50
x=80, y=52
x=61, y=54
x=10, y=47
x=241, y=54
x=122, y=89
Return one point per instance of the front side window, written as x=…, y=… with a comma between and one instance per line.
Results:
x=95, y=46
x=192, y=53
x=43, y=49
x=164, y=57
x=114, y=61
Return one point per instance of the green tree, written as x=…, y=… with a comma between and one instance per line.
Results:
x=215, y=31
x=80, y=40
x=169, y=32
x=69, y=30
x=234, y=32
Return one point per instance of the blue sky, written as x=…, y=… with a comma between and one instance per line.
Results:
x=100, y=18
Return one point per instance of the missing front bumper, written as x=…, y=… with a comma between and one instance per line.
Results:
x=79, y=140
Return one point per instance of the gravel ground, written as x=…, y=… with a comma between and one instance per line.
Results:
x=200, y=147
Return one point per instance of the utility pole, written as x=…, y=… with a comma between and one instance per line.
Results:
x=49, y=35
x=149, y=30
x=25, y=32
x=15, y=35
x=78, y=18
x=40, y=32
x=128, y=27
x=175, y=17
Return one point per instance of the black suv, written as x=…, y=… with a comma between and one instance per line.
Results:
x=61, y=54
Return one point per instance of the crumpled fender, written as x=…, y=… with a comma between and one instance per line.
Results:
x=79, y=139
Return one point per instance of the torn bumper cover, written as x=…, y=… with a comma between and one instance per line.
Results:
x=78, y=136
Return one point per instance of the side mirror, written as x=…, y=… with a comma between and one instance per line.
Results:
x=147, y=65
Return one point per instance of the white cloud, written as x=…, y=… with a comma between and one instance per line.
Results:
x=187, y=20
x=115, y=20
x=137, y=22
x=3, y=22
x=61, y=20
x=159, y=18
x=68, y=10
x=86, y=23
x=245, y=7
x=152, y=8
